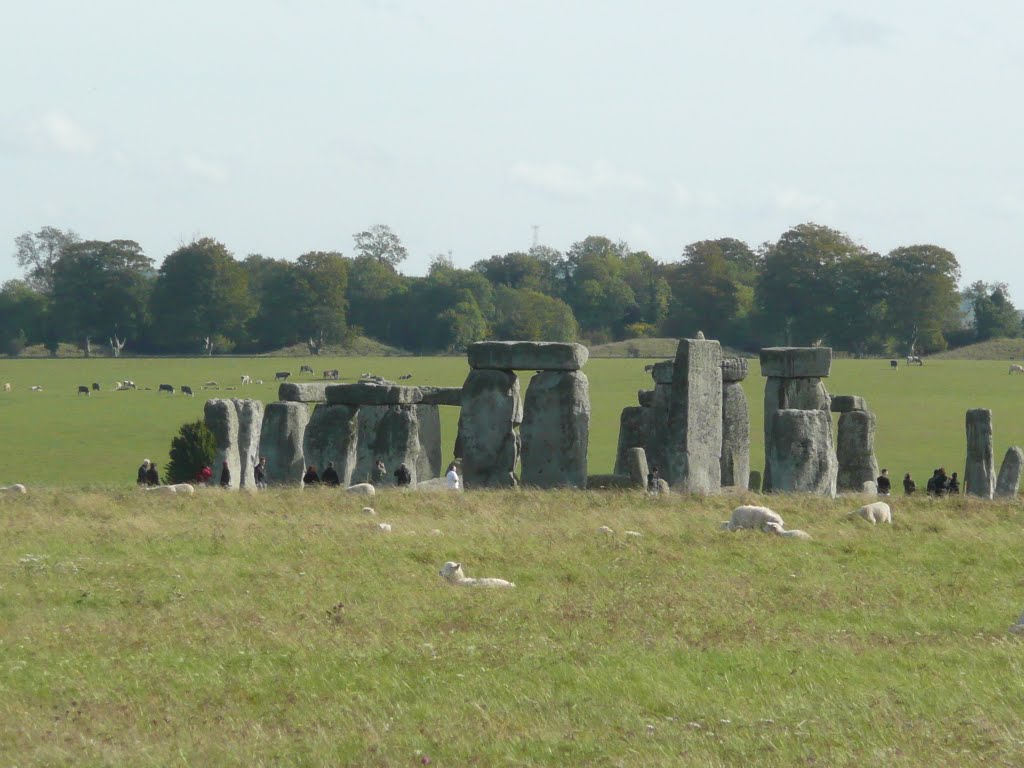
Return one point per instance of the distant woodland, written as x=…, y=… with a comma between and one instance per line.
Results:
x=814, y=284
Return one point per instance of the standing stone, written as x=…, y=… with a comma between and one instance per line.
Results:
x=735, y=461
x=221, y=418
x=397, y=439
x=331, y=435
x=556, y=430
x=250, y=426
x=633, y=432
x=695, y=418
x=428, y=462
x=369, y=419
x=754, y=484
x=791, y=394
x=855, y=450
x=281, y=438
x=979, y=474
x=801, y=457
x=658, y=428
x=636, y=461
x=1009, y=473
x=489, y=444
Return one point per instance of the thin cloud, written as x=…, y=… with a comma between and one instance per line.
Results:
x=851, y=31
x=684, y=197
x=206, y=170
x=804, y=204
x=62, y=133
x=575, y=182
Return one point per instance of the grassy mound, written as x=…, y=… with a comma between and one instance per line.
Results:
x=284, y=629
x=993, y=349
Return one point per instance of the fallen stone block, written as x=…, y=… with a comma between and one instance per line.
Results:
x=527, y=355
x=293, y=392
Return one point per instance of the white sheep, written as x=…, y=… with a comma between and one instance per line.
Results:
x=876, y=512
x=633, y=534
x=13, y=489
x=605, y=529
x=384, y=527
x=778, y=530
x=756, y=518
x=365, y=489
x=369, y=511
x=452, y=572
x=7, y=386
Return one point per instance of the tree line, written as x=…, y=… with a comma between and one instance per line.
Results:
x=814, y=284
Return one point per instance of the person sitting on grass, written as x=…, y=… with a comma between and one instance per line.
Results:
x=152, y=478
x=909, y=486
x=403, y=477
x=311, y=477
x=330, y=475
x=883, y=483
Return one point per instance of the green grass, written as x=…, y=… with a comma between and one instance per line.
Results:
x=994, y=349
x=56, y=437
x=142, y=630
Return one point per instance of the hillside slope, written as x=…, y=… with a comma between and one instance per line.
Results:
x=993, y=349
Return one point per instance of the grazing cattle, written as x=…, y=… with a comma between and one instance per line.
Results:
x=1013, y=369
x=406, y=376
x=186, y=390
x=894, y=364
x=914, y=359
x=332, y=373
x=648, y=368
x=7, y=386
x=95, y=387
x=129, y=384
x=282, y=375
x=169, y=388
x=246, y=380
x=83, y=390
x=306, y=369
x=36, y=388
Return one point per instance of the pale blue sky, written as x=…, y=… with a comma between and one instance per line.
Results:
x=282, y=127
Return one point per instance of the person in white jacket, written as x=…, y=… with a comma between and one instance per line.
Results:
x=453, y=478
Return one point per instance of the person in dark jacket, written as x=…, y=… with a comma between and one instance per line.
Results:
x=953, y=487
x=225, y=476
x=152, y=478
x=909, y=486
x=259, y=473
x=883, y=483
x=941, y=482
x=403, y=476
x=652, y=479
x=379, y=472
x=330, y=475
x=143, y=469
x=933, y=483
x=311, y=477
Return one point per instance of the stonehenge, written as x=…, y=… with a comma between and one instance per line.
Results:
x=979, y=474
x=556, y=430
x=855, y=450
x=800, y=457
x=735, y=461
x=236, y=425
x=1008, y=481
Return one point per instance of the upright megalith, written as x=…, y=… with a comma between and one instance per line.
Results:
x=331, y=436
x=369, y=419
x=979, y=474
x=250, y=428
x=281, y=439
x=555, y=430
x=794, y=377
x=855, y=450
x=488, y=442
x=428, y=461
x=1009, y=473
x=633, y=431
x=694, y=444
x=221, y=419
x=390, y=433
x=801, y=457
x=638, y=469
x=735, y=460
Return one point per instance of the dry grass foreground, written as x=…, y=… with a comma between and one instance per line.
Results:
x=284, y=629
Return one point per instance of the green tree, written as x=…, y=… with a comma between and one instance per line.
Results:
x=380, y=243
x=38, y=252
x=995, y=317
x=374, y=289
x=921, y=289
x=22, y=312
x=200, y=291
x=322, y=284
x=857, y=322
x=705, y=294
x=193, y=448
x=275, y=287
x=518, y=270
x=101, y=288
x=532, y=316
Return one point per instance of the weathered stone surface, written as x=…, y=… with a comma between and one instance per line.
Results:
x=661, y=487
x=371, y=393
x=441, y=395
x=734, y=369
x=797, y=394
x=657, y=426
x=556, y=430
x=332, y=435
x=662, y=372
x=633, y=431
x=979, y=474
x=636, y=463
x=796, y=362
x=221, y=419
x=608, y=482
x=1009, y=473
x=250, y=427
x=694, y=445
x=754, y=484
x=855, y=450
x=645, y=397
x=295, y=392
x=848, y=403
x=869, y=487
x=389, y=433
x=801, y=457
x=527, y=355
x=428, y=463
x=735, y=460
x=488, y=442
x=281, y=438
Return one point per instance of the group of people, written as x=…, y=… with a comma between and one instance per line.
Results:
x=148, y=476
x=378, y=475
x=939, y=484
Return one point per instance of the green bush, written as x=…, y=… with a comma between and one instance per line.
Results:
x=191, y=449
x=15, y=345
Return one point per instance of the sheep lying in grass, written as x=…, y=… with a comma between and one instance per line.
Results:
x=453, y=573
x=369, y=511
x=12, y=489
x=366, y=489
x=384, y=527
x=778, y=530
x=876, y=512
x=176, y=488
x=756, y=518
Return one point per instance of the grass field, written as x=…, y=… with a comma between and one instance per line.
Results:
x=57, y=437
x=280, y=629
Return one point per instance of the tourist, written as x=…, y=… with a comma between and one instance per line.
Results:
x=453, y=478
x=311, y=477
x=330, y=475
x=403, y=476
x=909, y=486
x=652, y=479
x=953, y=487
x=883, y=483
x=203, y=475
x=379, y=472
x=225, y=475
x=143, y=469
x=259, y=473
x=152, y=478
